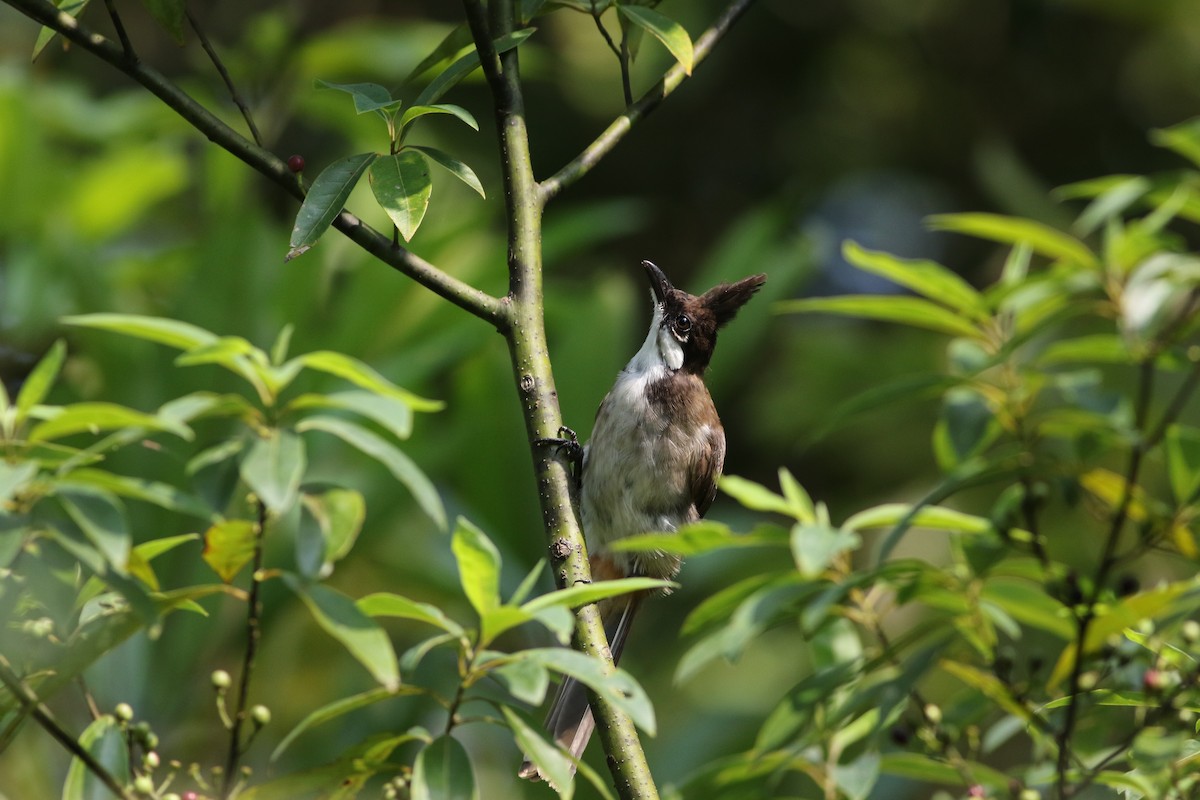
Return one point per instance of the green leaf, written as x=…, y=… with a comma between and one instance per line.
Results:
x=919, y=767
x=338, y=615
x=618, y=687
x=389, y=412
x=1028, y=603
x=926, y=278
x=449, y=77
x=799, y=500
x=912, y=311
x=283, y=341
x=214, y=455
x=1182, y=445
x=338, y=708
x=552, y=764
x=525, y=680
x=402, y=187
x=358, y=373
x=229, y=546
x=169, y=332
x=104, y=740
x=325, y=200
x=1183, y=139
x=935, y=517
x=274, y=467
x=814, y=547
x=399, y=464
x=169, y=14
x=331, y=521
x=1047, y=241
x=443, y=771
x=101, y=517
x=673, y=35
x=965, y=427
x=478, y=566
x=96, y=417
x=72, y=8
x=367, y=96
x=415, y=112
x=701, y=537
x=386, y=604
x=12, y=478
x=456, y=167
x=1098, y=348
x=757, y=497
x=162, y=495
x=39, y=381
x=581, y=595
x=457, y=39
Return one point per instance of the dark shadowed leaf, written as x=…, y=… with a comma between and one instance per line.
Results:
x=325, y=200
x=367, y=96
x=105, y=742
x=456, y=167
x=273, y=467
x=169, y=14
x=443, y=771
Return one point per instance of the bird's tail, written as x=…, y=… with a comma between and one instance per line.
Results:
x=570, y=720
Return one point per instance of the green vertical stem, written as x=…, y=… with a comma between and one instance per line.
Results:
x=532, y=372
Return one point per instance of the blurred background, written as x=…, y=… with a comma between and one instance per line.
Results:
x=813, y=122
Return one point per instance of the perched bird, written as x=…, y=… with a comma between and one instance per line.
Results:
x=652, y=463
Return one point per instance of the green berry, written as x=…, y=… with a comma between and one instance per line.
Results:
x=220, y=679
x=143, y=784
x=123, y=712
x=261, y=715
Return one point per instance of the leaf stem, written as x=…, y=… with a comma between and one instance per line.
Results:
x=31, y=704
x=460, y=293
x=126, y=45
x=225, y=77
x=253, y=636
x=582, y=164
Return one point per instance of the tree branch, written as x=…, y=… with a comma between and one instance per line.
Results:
x=534, y=378
x=234, y=94
x=458, y=292
x=614, y=133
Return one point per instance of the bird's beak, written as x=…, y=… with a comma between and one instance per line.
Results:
x=658, y=281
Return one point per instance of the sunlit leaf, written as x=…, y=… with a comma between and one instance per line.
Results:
x=325, y=200
x=362, y=637
x=229, y=546
x=415, y=112
x=457, y=168
x=581, y=595
x=1029, y=603
x=169, y=332
x=273, y=467
x=96, y=417
x=814, y=547
x=385, y=410
x=383, y=451
x=387, y=604
x=13, y=477
x=756, y=497
x=673, y=35
x=935, y=517
x=39, y=381
x=402, y=186
x=1047, y=241
x=478, y=566
x=926, y=278
x=618, y=687
x=527, y=681
x=71, y=8
x=1183, y=139
x=358, y=373
x=911, y=311
x=704, y=536
x=331, y=522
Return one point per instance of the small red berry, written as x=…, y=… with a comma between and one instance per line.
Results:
x=1152, y=681
x=296, y=163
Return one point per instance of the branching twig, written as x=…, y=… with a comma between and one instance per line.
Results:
x=614, y=133
x=224, y=73
x=126, y=45
x=263, y=161
x=622, y=54
x=253, y=635
x=30, y=702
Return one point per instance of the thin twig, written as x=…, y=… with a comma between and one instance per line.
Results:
x=622, y=54
x=458, y=292
x=253, y=635
x=30, y=702
x=614, y=133
x=126, y=45
x=224, y=73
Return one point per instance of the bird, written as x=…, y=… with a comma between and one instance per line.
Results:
x=651, y=465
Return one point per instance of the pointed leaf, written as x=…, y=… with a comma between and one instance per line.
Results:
x=387, y=411
x=673, y=35
x=169, y=14
x=162, y=495
x=926, y=278
x=814, y=547
x=525, y=680
x=1047, y=241
x=274, y=467
x=358, y=373
x=464, y=66
x=755, y=496
x=456, y=167
x=170, y=332
x=443, y=771
x=96, y=417
x=229, y=546
x=325, y=200
x=72, y=8
x=101, y=517
x=457, y=39
x=414, y=112
x=359, y=634
x=338, y=708
x=104, y=740
x=911, y=311
x=617, y=687
x=478, y=566
x=399, y=464
x=386, y=604
x=367, y=96
x=39, y=381
x=402, y=186
x=581, y=595
x=332, y=520
x=552, y=764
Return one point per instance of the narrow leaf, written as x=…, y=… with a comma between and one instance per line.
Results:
x=402, y=187
x=367, y=96
x=325, y=200
x=39, y=381
x=162, y=495
x=926, y=278
x=101, y=517
x=72, y=8
x=386, y=604
x=169, y=14
x=552, y=764
x=105, y=742
x=170, y=332
x=13, y=478
x=449, y=77
x=755, y=496
x=1183, y=462
x=359, y=634
x=478, y=566
x=673, y=35
x=392, y=414
x=399, y=464
x=911, y=311
x=1047, y=241
x=414, y=112
x=358, y=373
x=96, y=417
x=456, y=167
x=576, y=596
x=338, y=708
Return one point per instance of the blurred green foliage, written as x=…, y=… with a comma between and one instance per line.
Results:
x=812, y=123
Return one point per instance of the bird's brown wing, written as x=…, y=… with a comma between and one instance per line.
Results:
x=709, y=464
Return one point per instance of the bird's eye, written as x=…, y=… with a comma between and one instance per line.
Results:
x=683, y=323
